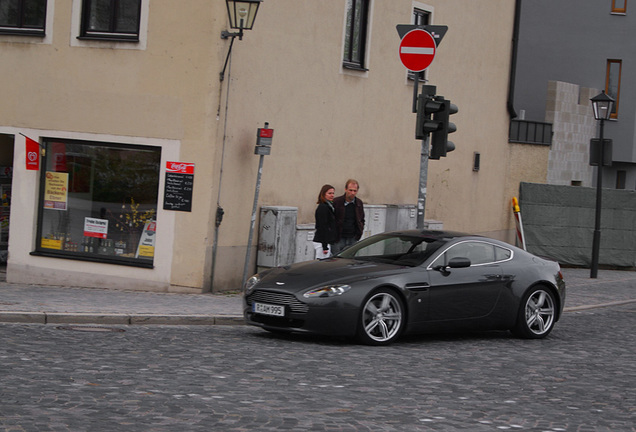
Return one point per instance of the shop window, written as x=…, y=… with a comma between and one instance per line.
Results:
x=111, y=19
x=98, y=202
x=23, y=17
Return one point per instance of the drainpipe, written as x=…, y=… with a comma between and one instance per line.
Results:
x=513, y=61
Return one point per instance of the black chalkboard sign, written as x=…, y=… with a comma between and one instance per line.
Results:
x=178, y=190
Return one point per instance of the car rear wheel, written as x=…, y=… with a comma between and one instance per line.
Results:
x=537, y=314
x=381, y=319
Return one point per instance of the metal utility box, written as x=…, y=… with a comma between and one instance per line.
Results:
x=401, y=217
x=305, y=250
x=375, y=219
x=277, y=236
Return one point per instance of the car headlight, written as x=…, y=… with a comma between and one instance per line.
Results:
x=251, y=283
x=327, y=291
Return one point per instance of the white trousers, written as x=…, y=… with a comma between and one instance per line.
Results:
x=320, y=254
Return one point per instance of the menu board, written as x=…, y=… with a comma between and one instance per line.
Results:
x=178, y=186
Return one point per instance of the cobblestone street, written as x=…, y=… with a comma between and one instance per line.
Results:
x=235, y=378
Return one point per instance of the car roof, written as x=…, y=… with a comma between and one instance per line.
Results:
x=431, y=234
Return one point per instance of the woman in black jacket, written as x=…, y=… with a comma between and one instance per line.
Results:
x=326, y=233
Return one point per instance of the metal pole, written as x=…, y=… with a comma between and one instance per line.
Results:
x=596, y=242
x=253, y=221
x=421, y=197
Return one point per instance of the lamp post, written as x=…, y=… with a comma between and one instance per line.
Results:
x=242, y=15
x=602, y=106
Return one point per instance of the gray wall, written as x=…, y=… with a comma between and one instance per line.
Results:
x=559, y=223
x=571, y=41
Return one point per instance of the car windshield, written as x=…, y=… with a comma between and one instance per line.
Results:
x=394, y=249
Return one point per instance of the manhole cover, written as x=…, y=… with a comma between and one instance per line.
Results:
x=91, y=329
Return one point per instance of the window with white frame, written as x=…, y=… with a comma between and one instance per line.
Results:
x=23, y=17
x=111, y=20
x=354, y=56
x=420, y=17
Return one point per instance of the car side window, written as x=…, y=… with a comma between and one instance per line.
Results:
x=478, y=252
x=502, y=254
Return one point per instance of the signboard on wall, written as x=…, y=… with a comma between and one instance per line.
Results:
x=178, y=187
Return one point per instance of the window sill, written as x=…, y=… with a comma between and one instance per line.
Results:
x=109, y=39
x=354, y=67
x=104, y=259
x=18, y=32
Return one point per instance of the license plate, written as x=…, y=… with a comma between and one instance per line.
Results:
x=268, y=309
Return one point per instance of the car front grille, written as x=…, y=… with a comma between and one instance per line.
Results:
x=295, y=305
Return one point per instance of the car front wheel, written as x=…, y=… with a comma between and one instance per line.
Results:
x=536, y=314
x=381, y=319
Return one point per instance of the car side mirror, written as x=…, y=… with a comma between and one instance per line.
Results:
x=457, y=262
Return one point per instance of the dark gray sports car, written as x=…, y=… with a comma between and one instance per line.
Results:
x=409, y=282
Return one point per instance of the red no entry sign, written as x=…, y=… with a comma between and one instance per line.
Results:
x=417, y=50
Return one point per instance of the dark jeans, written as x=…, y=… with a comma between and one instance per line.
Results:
x=343, y=243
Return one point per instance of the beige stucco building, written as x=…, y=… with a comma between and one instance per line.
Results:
x=162, y=93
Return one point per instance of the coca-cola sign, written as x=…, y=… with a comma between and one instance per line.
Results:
x=180, y=167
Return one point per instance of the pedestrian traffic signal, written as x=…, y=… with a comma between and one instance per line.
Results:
x=439, y=137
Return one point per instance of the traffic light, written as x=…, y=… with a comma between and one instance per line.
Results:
x=433, y=113
x=439, y=137
x=427, y=106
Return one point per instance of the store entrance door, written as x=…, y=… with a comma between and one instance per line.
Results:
x=6, y=176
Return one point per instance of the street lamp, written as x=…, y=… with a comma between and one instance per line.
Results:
x=242, y=15
x=602, y=106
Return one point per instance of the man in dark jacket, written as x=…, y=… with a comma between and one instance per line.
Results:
x=349, y=216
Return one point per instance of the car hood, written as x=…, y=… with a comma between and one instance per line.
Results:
x=310, y=274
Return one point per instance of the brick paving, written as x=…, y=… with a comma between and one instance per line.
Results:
x=239, y=378
x=64, y=377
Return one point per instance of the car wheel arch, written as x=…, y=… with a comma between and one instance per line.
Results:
x=397, y=291
x=530, y=319
x=555, y=294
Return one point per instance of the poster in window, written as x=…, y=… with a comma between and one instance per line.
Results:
x=94, y=227
x=146, y=248
x=56, y=190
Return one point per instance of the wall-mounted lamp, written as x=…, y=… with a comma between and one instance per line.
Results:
x=242, y=15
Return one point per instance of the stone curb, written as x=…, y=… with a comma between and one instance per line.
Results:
x=117, y=319
x=600, y=305
x=159, y=319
